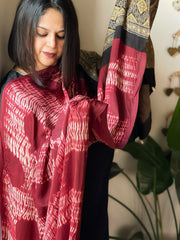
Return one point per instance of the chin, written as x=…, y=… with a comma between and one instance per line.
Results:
x=46, y=65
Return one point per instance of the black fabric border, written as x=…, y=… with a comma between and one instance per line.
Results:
x=129, y=39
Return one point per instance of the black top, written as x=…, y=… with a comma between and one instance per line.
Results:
x=12, y=74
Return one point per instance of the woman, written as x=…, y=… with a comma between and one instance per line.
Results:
x=48, y=122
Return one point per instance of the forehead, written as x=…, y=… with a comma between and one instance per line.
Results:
x=51, y=19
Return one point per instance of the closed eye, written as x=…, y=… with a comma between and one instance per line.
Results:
x=45, y=34
x=41, y=35
x=60, y=37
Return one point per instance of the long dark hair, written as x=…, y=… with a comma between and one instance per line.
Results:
x=21, y=41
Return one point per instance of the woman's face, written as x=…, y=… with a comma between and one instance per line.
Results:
x=49, y=39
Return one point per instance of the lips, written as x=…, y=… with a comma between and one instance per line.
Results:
x=49, y=55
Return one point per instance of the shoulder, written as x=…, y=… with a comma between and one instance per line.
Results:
x=18, y=86
x=23, y=96
x=12, y=74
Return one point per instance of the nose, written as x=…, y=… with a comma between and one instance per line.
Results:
x=51, y=41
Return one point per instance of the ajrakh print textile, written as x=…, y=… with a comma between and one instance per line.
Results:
x=130, y=17
x=45, y=135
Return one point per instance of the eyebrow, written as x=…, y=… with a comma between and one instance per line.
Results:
x=62, y=30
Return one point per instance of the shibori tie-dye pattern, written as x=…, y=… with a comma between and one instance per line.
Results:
x=45, y=134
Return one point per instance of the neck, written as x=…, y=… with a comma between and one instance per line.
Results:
x=20, y=70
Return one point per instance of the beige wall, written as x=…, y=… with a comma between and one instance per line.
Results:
x=93, y=19
x=7, y=10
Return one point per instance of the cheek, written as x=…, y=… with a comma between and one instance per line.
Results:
x=38, y=44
